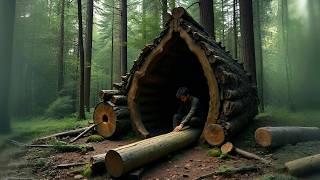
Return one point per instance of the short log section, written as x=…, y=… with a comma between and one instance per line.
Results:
x=124, y=159
x=111, y=120
x=277, y=136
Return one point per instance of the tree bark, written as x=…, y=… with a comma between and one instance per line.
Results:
x=278, y=136
x=112, y=46
x=285, y=41
x=61, y=48
x=207, y=16
x=304, y=166
x=7, y=19
x=235, y=29
x=247, y=38
x=123, y=37
x=88, y=54
x=164, y=8
x=144, y=21
x=81, y=51
x=146, y=151
x=259, y=54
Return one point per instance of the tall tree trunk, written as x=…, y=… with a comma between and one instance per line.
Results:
x=235, y=29
x=222, y=15
x=259, y=54
x=247, y=38
x=172, y=4
x=144, y=21
x=7, y=19
x=123, y=36
x=61, y=49
x=284, y=25
x=88, y=54
x=207, y=17
x=164, y=5
x=81, y=51
x=112, y=46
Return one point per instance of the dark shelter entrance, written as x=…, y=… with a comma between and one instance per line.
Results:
x=177, y=66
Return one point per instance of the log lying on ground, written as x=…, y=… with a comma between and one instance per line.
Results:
x=229, y=148
x=62, y=134
x=83, y=133
x=97, y=163
x=304, y=166
x=124, y=159
x=111, y=120
x=277, y=136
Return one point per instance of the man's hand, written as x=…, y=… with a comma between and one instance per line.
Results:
x=178, y=128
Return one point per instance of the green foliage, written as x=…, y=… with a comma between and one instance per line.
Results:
x=60, y=108
x=95, y=138
x=87, y=171
x=214, y=152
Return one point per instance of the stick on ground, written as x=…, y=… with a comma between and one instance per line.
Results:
x=83, y=133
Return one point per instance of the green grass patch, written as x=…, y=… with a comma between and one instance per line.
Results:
x=25, y=130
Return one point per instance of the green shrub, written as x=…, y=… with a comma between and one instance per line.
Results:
x=60, y=108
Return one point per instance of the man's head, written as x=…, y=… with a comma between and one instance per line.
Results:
x=183, y=94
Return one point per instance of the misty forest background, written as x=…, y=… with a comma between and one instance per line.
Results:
x=45, y=67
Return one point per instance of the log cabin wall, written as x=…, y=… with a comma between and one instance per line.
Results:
x=184, y=55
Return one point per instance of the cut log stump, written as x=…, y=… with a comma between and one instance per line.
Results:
x=111, y=120
x=304, y=166
x=124, y=159
x=278, y=136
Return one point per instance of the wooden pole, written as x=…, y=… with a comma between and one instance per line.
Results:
x=83, y=133
x=122, y=160
x=277, y=136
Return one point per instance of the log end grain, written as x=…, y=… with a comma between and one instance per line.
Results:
x=105, y=119
x=263, y=137
x=114, y=163
x=214, y=134
x=227, y=148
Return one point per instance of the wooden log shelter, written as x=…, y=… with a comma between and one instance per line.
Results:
x=182, y=55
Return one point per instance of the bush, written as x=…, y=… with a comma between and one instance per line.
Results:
x=60, y=108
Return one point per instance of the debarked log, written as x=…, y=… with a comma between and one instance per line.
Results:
x=124, y=159
x=304, y=166
x=278, y=136
x=111, y=120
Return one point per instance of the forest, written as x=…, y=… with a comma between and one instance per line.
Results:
x=57, y=55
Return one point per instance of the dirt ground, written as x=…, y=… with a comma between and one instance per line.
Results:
x=190, y=163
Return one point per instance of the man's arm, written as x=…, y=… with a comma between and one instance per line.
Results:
x=194, y=106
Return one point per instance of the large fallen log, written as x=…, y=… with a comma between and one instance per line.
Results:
x=304, y=166
x=124, y=159
x=277, y=136
x=111, y=120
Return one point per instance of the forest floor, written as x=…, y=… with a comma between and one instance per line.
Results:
x=191, y=163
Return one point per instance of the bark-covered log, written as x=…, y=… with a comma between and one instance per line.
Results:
x=107, y=94
x=97, y=163
x=304, y=166
x=231, y=108
x=231, y=94
x=112, y=121
x=278, y=136
x=119, y=100
x=127, y=158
